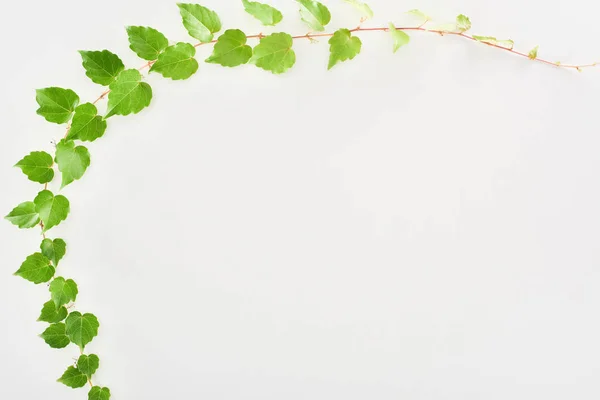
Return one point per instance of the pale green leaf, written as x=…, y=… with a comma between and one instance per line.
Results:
x=51, y=209
x=87, y=125
x=231, y=49
x=72, y=161
x=55, y=336
x=128, y=94
x=24, y=215
x=99, y=393
x=419, y=14
x=492, y=40
x=36, y=268
x=363, y=9
x=81, y=329
x=54, y=250
x=199, y=21
x=146, y=42
x=37, y=166
x=533, y=53
x=63, y=291
x=266, y=14
x=88, y=364
x=56, y=104
x=463, y=23
x=73, y=378
x=343, y=46
x=102, y=67
x=52, y=314
x=274, y=53
x=176, y=62
x=314, y=14
x=400, y=38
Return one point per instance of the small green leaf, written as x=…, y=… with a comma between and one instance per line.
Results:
x=274, y=53
x=314, y=14
x=343, y=46
x=102, y=67
x=363, y=8
x=463, y=23
x=56, y=104
x=509, y=44
x=54, y=250
x=88, y=364
x=266, y=14
x=51, y=314
x=87, y=125
x=55, y=336
x=37, y=166
x=51, y=209
x=24, y=215
x=176, y=62
x=36, y=268
x=231, y=49
x=419, y=14
x=400, y=37
x=73, y=378
x=81, y=329
x=72, y=161
x=99, y=393
x=533, y=53
x=146, y=42
x=63, y=291
x=128, y=94
x=199, y=21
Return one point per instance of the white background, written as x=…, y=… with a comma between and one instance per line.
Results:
x=419, y=225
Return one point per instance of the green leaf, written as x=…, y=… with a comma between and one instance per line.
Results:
x=55, y=336
x=176, y=62
x=56, y=104
x=52, y=209
x=463, y=23
x=54, y=250
x=87, y=125
x=400, y=37
x=128, y=94
x=492, y=40
x=36, y=268
x=266, y=14
x=24, y=215
x=533, y=53
x=343, y=46
x=73, y=378
x=231, y=49
x=146, y=42
x=99, y=393
x=363, y=8
x=199, y=21
x=37, y=166
x=72, y=161
x=63, y=291
x=81, y=329
x=314, y=14
x=274, y=53
x=419, y=14
x=102, y=67
x=52, y=314
x=88, y=364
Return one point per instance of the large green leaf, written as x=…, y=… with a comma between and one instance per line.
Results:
x=87, y=125
x=231, y=49
x=99, y=393
x=63, y=291
x=343, y=46
x=73, y=378
x=54, y=250
x=37, y=165
x=146, y=42
x=400, y=37
x=52, y=314
x=72, y=161
x=102, y=67
x=81, y=329
x=55, y=336
x=36, y=268
x=177, y=62
x=56, y=104
x=88, y=364
x=24, y=215
x=51, y=209
x=128, y=94
x=266, y=14
x=315, y=14
x=274, y=53
x=199, y=21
